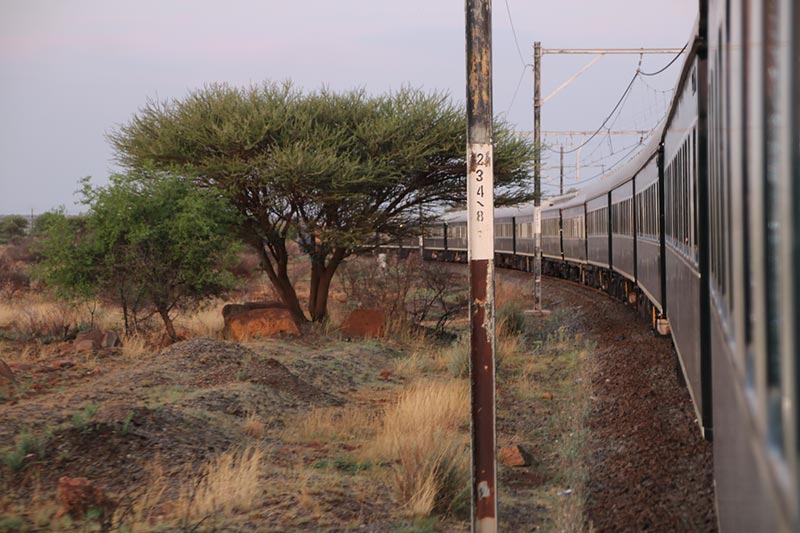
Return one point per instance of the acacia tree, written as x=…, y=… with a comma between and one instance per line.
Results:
x=151, y=243
x=333, y=170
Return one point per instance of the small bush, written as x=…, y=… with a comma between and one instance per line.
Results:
x=80, y=419
x=26, y=444
x=11, y=523
x=511, y=320
x=13, y=276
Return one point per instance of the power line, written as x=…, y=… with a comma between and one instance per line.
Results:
x=514, y=31
x=519, y=83
x=624, y=94
x=668, y=64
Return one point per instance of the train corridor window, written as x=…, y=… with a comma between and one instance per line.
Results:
x=773, y=232
x=696, y=198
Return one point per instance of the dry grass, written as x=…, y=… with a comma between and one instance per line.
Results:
x=135, y=347
x=228, y=484
x=254, y=426
x=332, y=424
x=425, y=433
x=205, y=322
x=35, y=316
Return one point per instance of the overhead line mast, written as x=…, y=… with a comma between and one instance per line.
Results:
x=538, y=52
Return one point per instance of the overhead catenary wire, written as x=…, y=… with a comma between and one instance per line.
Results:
x=619, y=102
x=620, y=160
x=519, y=84
x=653, y=105
x=667, y=65
x=514, y=32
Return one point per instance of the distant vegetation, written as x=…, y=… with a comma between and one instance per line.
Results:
x=13, y=227
x=332, y=171
x=150, y=243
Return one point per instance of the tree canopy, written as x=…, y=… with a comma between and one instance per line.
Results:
x=151, y=243
x=333, y=170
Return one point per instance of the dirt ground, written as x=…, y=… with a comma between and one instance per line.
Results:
x=592, y=386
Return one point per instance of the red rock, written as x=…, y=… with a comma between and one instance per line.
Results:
x=265, y=322
x=78, y=495
x=95, y=339
x=365, y=323
x=21, y=367
x=62, y=363
x=6, y=373
x=514, y=455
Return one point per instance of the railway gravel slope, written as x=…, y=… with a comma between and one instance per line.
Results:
x=649, y=468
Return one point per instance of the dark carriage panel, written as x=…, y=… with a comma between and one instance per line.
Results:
x=743, y=495
x=597, y=230
x=457, y=236
x=648, y=231
x=551, y=233
x=648, y=270
x=504, y=235
x=524, y=229
x=573, y=226
x=683, y=286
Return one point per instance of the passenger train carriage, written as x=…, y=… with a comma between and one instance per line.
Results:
x=698, y=231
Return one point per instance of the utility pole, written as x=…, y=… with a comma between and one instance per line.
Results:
x=561, y=176
x=480, y=228
x=537, y=139
x=537, y=177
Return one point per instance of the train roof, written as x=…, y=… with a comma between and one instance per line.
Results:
x=619, y=175
x=627, y=170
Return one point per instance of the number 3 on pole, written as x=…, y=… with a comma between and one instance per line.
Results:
x=480, y=201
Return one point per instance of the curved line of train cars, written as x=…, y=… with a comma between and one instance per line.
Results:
x=698, y=231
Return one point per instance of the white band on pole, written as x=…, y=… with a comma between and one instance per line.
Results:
x=480, y=201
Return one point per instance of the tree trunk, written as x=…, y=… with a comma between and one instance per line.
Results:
x=170, y=327
x=280, y=280
x=124, y=302
x=321, y=278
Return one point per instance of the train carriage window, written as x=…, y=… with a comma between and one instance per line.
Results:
x=668, y=202
x=773, y=233
x=696, y=199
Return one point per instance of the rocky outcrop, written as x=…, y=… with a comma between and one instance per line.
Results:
x=95, y=339
x=258, y=319
x=78, y=495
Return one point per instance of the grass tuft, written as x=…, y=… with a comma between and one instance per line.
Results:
x=254, y=426
x=228, y=484
x=423, y=433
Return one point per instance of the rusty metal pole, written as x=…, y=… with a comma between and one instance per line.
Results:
x=480, y=225
x=537, y=177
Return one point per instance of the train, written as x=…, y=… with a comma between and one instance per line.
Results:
x=698, y=232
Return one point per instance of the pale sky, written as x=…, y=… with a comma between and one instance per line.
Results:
x=70, y=71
